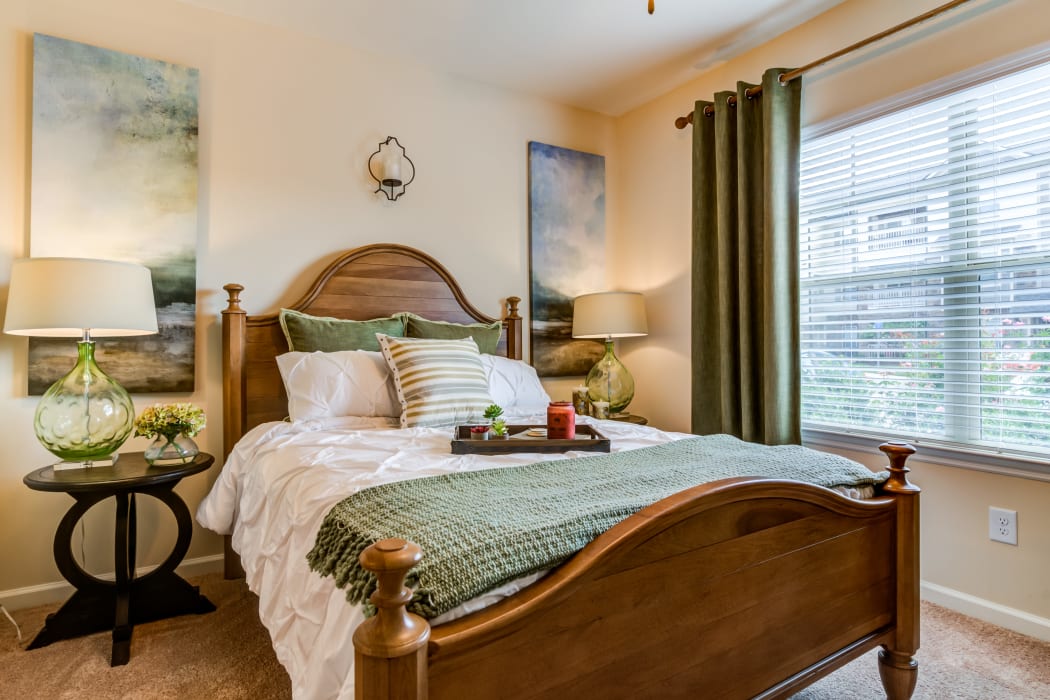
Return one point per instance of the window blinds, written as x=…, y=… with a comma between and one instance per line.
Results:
x=925, y=270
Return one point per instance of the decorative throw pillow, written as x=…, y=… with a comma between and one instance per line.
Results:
x=438, y=382
x=332, y=384
x=306, y=333
x=486, y=335
x=514, y=385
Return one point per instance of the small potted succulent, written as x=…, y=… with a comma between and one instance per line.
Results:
x=498, y=426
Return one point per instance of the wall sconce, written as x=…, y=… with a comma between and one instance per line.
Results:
x=391, y=168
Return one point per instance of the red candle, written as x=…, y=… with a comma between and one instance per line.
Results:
x=561, y=421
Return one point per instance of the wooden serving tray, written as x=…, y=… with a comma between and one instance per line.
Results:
x=587, y=439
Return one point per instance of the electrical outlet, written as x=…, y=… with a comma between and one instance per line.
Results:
x=1002, y=525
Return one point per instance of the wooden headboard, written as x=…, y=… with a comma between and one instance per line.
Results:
x=363, y=283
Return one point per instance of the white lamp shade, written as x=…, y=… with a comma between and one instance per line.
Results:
x=609, y=315
x=63, y=297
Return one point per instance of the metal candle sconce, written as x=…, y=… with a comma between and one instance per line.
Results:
x=392, y=169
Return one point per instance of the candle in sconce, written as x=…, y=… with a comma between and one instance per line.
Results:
x=392, y=170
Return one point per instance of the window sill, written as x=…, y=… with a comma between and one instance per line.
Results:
x=977, y=459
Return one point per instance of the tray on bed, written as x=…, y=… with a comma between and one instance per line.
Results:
x=587, y=439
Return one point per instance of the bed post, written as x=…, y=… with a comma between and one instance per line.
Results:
x=390, y=649
x=233, y=404
x=233, y=324
x=897, y=665
x=513, y=321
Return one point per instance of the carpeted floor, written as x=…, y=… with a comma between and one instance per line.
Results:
x=960, y=659
x=226, y=655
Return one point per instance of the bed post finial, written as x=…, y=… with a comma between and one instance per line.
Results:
x=898, y=453
x=233, y=292
x=391, y=647
x=512, y=322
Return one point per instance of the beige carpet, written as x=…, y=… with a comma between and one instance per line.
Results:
x=226, y=654
x=960, y=659
x=223, y=655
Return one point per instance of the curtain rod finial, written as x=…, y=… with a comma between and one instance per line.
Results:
x=682, y=122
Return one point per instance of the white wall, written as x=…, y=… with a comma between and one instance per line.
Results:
x=652, y=254
x=287, y=123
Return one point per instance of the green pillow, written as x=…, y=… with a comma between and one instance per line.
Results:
x=486, y=335
x=306, y=333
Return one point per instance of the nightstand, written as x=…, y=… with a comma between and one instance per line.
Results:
x=99, y=604
x=629, y=418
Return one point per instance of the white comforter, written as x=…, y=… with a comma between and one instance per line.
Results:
x=275, y=490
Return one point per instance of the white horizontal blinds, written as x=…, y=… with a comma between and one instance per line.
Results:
x=925, y=267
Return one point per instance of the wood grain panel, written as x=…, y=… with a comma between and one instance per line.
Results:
x=731, y=594
x=368, y=282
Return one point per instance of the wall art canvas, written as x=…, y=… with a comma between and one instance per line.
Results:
x=114, y=176
x=567, y=253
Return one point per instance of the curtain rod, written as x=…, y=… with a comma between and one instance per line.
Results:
x=682, y=122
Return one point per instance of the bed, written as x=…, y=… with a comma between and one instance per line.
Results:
x=742, y=587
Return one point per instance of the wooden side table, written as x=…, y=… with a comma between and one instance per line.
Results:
x=629, y=418
x=98, y=604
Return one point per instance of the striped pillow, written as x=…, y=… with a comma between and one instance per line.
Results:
x=438, y=382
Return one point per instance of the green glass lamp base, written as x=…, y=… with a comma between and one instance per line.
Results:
x=610, y=381
x=85, y=416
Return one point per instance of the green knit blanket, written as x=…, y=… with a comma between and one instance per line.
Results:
x=483, y=528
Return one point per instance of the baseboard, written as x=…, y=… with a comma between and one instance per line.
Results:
x=1001, y=615
x=57, y=592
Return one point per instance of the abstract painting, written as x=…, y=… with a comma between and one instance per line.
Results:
x=567, y=253
x=114, y=176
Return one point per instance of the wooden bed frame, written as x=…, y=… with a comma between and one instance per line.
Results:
x=735, y=589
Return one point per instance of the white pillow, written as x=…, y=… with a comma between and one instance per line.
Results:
x=438, y=382
x=514, y=385
x=343, y=383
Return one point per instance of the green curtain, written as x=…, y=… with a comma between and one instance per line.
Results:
x=745, y=326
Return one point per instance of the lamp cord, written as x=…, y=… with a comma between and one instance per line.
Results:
x=8, y=616
x=83, y=561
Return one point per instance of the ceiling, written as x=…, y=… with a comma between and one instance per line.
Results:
x=608, y=56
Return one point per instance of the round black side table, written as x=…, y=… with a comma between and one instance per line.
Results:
x=98, y=604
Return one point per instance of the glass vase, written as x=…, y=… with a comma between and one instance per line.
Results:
x=610, y=381
x=171, y=449
x=85, y=415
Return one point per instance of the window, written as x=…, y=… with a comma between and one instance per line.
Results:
x=925, y=270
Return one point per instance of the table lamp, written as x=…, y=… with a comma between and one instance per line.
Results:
x=609, y=315
x=86, y=415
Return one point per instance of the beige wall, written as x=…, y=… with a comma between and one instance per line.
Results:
x=652, y=253
x=287, y=124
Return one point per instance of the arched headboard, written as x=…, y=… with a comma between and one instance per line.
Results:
x=367, y=282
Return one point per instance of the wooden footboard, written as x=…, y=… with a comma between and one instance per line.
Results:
x=739, y=588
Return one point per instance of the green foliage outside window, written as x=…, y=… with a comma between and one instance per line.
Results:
x=898, y=376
